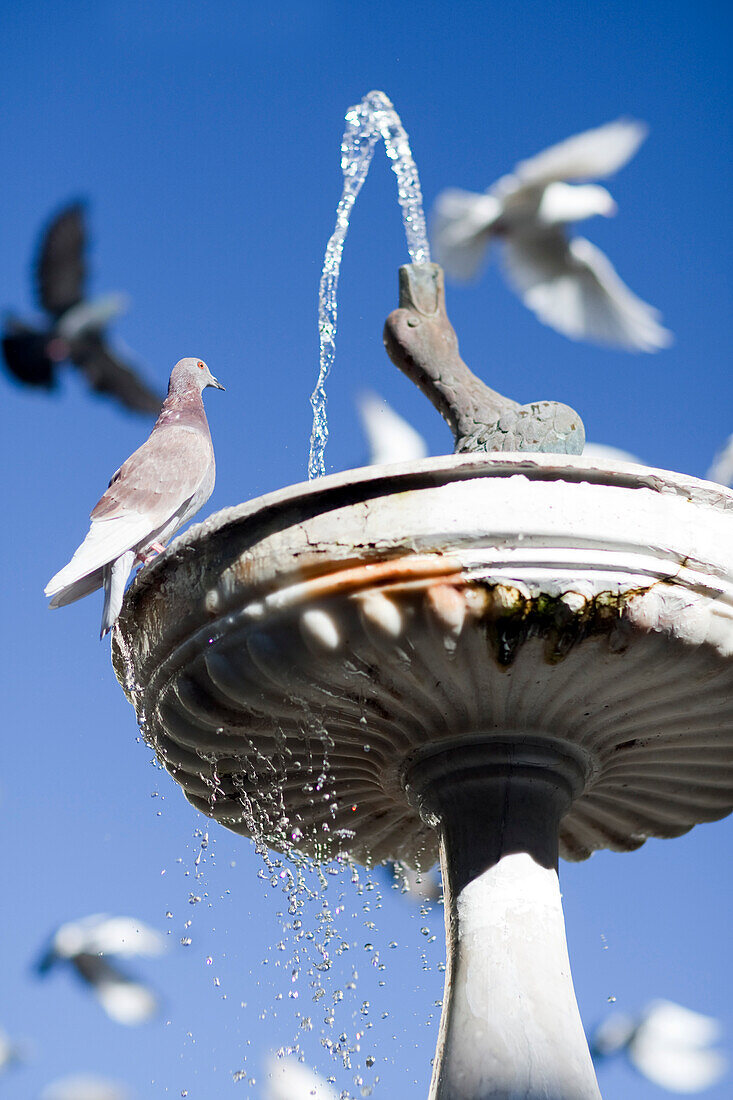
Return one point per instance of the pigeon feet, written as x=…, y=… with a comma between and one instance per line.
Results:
x=152, y=551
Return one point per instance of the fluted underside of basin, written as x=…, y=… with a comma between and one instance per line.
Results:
x=301, y=729
x=290, y=659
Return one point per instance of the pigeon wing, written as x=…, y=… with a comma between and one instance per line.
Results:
x=123, y=999
x=60, y=268
x=25, y=355
x=390, y=437
x=722, y=467
x=123, y=936
x=594, y=154
x=461, y=230
x=106, y=373
x=573, y=287
x=151, y=491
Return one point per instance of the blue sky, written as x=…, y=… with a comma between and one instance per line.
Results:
x=206, y=139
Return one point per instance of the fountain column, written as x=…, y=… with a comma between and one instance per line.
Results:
x=511, y=1029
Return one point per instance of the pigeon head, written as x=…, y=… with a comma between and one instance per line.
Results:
x=189, y=373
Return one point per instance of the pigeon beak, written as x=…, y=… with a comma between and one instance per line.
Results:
x=217, y=385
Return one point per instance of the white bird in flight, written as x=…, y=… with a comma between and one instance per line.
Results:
x=390, y=437
x=566, y=281
x=666, y=1043
x=288, y=1079
x=722, y=467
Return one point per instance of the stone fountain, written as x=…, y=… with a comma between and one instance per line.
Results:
x=493, y=658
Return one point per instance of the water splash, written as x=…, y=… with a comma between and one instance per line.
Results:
x=366, y=123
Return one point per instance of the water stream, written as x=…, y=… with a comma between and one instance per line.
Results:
x=366, y=123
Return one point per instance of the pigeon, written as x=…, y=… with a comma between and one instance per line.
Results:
x=160, y=487
x=74, y=328
x=420, y=886
x=11, y=1053
x=85, y=945
x=85, y=1086
x=390, y=437
x=566, y=281
x=289, y=1079
x=722, y=467
x=668, y=1044
x=608, y=453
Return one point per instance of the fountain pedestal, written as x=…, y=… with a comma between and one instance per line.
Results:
x=511, y=1026
x=500, y=653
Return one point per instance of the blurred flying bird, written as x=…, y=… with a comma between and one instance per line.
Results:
x=613, y=454
x=288, y=1079
x=567, y=282
x=88, y=943
x=668, y=1044
x=160, y=487
x=420, y=886
x=390, y=437
x=85, y=1086
x=722, y=467
x=11, y=1053
x=74, y=328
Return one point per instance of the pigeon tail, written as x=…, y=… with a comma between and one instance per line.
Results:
x=115, y=578
x=106, y=541
x=78, y=589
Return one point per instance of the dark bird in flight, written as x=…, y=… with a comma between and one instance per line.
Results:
x=74, y=328
x=91, y=946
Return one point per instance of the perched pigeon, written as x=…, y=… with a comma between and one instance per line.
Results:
x=668, y=1044
x=390, y=437
x=289, y=1079
x=566, y=281
x=86, y=944
x=74, y=328
x=160, y=487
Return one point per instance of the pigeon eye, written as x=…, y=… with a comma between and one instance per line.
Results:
x=200, y=366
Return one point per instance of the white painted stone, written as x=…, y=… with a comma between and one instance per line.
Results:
x=514, y=1031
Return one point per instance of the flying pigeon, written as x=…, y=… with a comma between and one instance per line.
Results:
x=86, y=944
x=566, y=281
x=613, y=454
x=420, y=886
x=289, y=1079
x=160, y=487
x=668, y=1044
x=11, y=1053
x=722, y=467
x=85, y=1086
x=390, y=437
x=74, y=328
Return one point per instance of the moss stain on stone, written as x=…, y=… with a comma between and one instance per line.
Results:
x=511, y=618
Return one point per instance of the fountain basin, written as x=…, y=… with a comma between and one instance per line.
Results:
x=497, y=658
x=289, y=658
